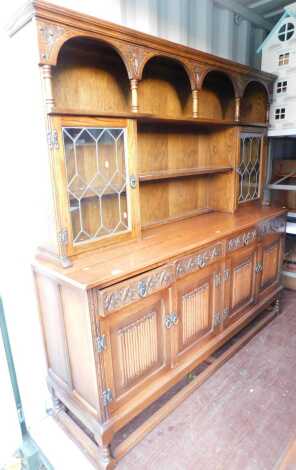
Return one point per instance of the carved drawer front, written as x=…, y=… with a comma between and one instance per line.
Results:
x=136, y=346
x=270, y=264
x=272, y=226
x=125, y=293
x=198, y=297
x=199, y=260
x=245, y=238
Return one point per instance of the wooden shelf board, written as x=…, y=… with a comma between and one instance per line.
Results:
x=146, y=117
x=186, y=215
x=181, y=173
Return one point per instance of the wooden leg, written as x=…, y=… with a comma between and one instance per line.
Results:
x=277, y=306
x=106, y=461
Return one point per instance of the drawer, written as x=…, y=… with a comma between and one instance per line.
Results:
x=245, y=238
x=199, y=260
x=125, y=293
x=272, y=226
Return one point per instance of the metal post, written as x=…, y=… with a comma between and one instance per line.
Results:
x=33, y=459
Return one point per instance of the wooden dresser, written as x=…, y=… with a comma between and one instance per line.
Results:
x=159, y=249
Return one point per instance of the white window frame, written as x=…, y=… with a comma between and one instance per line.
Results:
x=284, y=59
x=281, y=86
x=279, y=114
x=286, y=29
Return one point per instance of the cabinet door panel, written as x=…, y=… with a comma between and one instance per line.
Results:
x=197, y=300
x=137, y=346
x=241, y=288
x=270, y=264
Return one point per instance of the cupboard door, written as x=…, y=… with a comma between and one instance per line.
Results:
x=198, y=297
x=136, y=347
x=270, y=263
x=241, y=285
x=251, y=165
x=96, y=189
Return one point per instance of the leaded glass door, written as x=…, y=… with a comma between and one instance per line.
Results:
x=250, y=166
x=97, y=171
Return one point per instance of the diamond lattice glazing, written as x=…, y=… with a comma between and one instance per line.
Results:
x=249, y=168
x=96, y=181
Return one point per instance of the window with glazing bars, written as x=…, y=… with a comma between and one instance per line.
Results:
x=96, y=172
x=284, y=58
x=280, y=113
x=249, y=167
x=281, y=87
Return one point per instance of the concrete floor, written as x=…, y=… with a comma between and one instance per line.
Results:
x=242, y=418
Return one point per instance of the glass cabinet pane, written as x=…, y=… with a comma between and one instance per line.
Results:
x=249, y=167
x=96, y=173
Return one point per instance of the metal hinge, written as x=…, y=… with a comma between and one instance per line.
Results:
x=63, y=237
x=226, y=274
x=107, y=396
x=218, y=279
x=219, y=317
x=170, y=320
x=53, y=139
x=258, y=268
x=101, y=343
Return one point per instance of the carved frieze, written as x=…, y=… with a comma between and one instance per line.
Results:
x=241, y=240
x=277, y=225
x=123, y=294
x=198, y=261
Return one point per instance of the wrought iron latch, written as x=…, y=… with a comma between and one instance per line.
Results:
x=52, y=139
x=101, y=343
x=170, y=320
x=107, y=396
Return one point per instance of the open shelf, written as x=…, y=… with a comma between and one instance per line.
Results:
x=186, y=215
x=181, y=173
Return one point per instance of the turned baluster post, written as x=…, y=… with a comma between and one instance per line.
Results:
x=47, y=87
x=237, y=109
x=195, y=103
x=134, y=91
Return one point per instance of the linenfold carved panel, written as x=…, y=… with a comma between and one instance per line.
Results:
x=195, y=312
x=125, y=293
x=198, y=261
x=138, y=346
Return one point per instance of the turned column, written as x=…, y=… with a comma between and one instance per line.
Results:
x=47, y=87
x=267, y=112
x=195, y=103
x=134, y=92
x=237, y=109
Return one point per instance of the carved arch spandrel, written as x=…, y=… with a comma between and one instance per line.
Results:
x=52, y=37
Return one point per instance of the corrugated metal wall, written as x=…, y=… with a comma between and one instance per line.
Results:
x=203, y=24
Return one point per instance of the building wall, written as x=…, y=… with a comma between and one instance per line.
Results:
x=284, y=101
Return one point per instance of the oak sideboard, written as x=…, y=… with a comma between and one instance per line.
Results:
x=159, y=248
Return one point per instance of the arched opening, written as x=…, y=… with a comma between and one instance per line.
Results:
x=254, y=103
x=165, y=88
x=90, y=75
x=217, y=97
